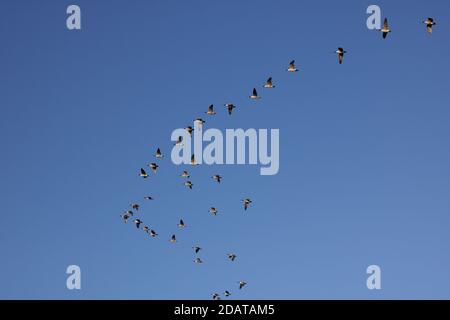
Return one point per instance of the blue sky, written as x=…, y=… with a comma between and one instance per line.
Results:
x=364, y=149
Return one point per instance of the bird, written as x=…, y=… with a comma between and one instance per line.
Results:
x=246, y=203
x=146, y=229
x=230, y=107
x=340, y=53
x=198, y=260
x=254, y=95
x=148, y=198
x=385, y=30
x=217, y=178
x=193, y=161
x=173, y=239
x=179, y=141
x=210, y=111
x=216, y=296
x=154, y=167
x=137, y=222
x=153, y=233
x=181, y=224
x=130, y=213
x=185, y=174
x=242, y=284
x=188, y=184
x=125, y=217
x=143, y=174
x=429, y=22
x=269, y=84
x=135, y=206
x=158, y=153
x=213, y=211
x=189, y=129
x=196, y=249
x=227, y=293
x=232, y=256
x=199, y=122
x=292, y=67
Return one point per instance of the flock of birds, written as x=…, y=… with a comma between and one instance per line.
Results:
x=134, y=208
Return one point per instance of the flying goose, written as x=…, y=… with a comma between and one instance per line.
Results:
x=154, y=167
x=254, y=95
x=269, y=84
x=199, y=122
x=179, y=141
x=189, y=129
x=125, y=217
x=143, y=174
x=146, y=229
x=246, y=203
x=135, y=206
x=340, y=53
x=185, y=174
x=173, y=239
x=232, y=256
x=292, y=67
x=230, y=107
x=153, y=233
x=196, y=249
x=210, y=111
x=158, y=153
x=227, y=293
x=242, y=284
x=429, y=23
x=188, y=184
x=213, y=211
x=217, y=178
x=193, y=161
x=198, y=260
x=148, y=198
x=216, y=296
x=385, y=30
x=181, y=224
x=137, y=222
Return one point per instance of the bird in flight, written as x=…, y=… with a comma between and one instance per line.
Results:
x=179, y=141
x=232, y=256
x=154, y=167
x=210, y=111
x=125, y=217
x=173, y=239
x=216, y=296
x=198, y=260
x=188, y=184
x=199, y=122
x=217, y=178
x=385, y=30
x=146, y=229
x=246, y=203
x=429, y=22
x=185, y=174
x=340, y=53
x=292, y=67
x=148, y=198
x=242, y=284
x=196, y=249
x=254, y=95
x=158, y=153
x=153, y=233
x=189, y=129
x=181, y=224
x=213, y=211
x=143, y=174
x=135, y=206
x=269, y=84
x=193, y=161
x=227, y=293
x=137, y=222
x=230, y=107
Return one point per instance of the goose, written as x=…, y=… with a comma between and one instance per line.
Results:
x=198, y=260
x=173, y=239
x=227, y=293
x=230, y=107
x=146, y=229
x=153, y=233
x=199, y=122
x=246, y=203
x=340, y=53
x=188, y=184
x=193, y=161
x=130, y=213
x=125, y=217
x=242, y=284
x=179, y=141
x=254, y=95
x=158, y=153
x=189, y=129
x=148, y=198
x=292, y=67
x=181, y=224
x=143, y=174
x=196, y=249
x=232, y=256
x=185, y=174
x=210, y=111
x=135, y=206
x=429, y=22
x=137, y=222
x=217, y=178
x=215, y=296
x=385, y=30
x=154, y=167
x=213, y=211
x=269, y=84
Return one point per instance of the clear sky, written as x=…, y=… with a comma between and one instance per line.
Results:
x=364, y=149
